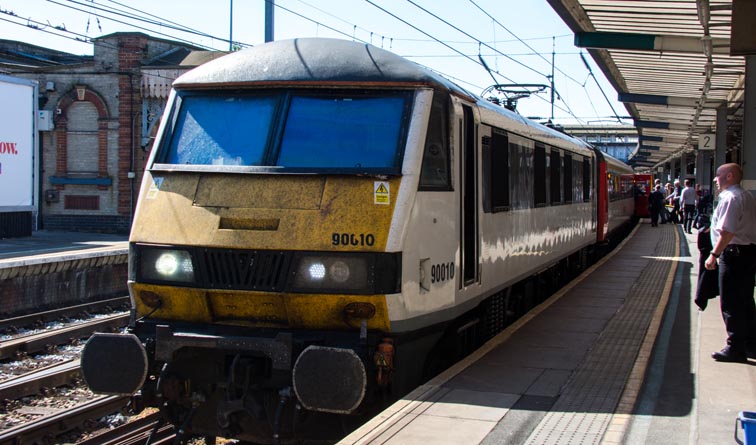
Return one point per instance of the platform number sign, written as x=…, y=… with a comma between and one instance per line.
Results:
x=707, y=142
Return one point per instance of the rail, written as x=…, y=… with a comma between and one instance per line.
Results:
x=56, y=314
x=46, y=427
x=38, y=342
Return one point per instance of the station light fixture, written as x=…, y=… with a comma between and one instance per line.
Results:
x=649, y=42
x=651, y=124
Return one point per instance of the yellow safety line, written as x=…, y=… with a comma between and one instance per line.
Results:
x=618, y=426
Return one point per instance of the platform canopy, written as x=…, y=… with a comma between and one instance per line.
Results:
x=670, y=62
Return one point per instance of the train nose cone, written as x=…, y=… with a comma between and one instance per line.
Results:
x=114, y=363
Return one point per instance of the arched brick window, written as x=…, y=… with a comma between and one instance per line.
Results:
x=81, y=138
x=82, y=144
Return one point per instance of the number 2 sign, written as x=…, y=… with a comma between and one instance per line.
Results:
x=707, y=142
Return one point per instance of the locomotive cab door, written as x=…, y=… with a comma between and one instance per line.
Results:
x=469, y=235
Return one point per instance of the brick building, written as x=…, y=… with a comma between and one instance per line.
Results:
x=103, y=109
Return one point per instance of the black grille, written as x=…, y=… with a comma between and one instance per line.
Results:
x=244, y=270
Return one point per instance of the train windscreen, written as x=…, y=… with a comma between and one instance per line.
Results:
x=290, y=131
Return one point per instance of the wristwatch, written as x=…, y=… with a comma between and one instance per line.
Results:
x=715, y=255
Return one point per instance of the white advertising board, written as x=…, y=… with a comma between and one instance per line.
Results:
x=17, y=146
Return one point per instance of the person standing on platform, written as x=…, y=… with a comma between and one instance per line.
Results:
x=674, y=201
x=733, y=235
x=655, y=204
x=708, y=280
x=688, y=205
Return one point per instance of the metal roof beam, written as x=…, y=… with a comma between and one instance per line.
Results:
x=659, y=125
x=660, y=140
x=649, y=42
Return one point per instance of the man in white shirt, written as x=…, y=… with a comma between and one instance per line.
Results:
x=688, y=205
x=733, y=235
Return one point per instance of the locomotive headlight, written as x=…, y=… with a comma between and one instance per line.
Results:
x=166, y=265
x=342, y=273
x=339, y=271
x=317, y=271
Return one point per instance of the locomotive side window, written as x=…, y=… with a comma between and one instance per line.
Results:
x=499, y=171
x=568, y=191
x=520, y=176
x=539, y=176
x=435, y=172
x=556, y=177
x=577, y=176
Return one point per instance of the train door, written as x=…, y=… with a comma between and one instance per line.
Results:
x=469, y=194
x=602, y=197
x=642, y=187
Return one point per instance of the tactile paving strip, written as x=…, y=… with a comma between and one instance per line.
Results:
x=583, y=411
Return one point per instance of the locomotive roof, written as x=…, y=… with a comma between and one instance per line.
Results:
x=313, y=60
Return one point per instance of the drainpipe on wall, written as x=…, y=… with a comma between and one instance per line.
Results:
x=131, y=173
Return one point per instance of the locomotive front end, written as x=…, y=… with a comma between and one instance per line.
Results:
x=261, y=258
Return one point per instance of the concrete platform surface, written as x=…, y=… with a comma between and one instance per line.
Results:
x=619, y=356
x=48, y=244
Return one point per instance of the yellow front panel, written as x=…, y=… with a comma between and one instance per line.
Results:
x=260, y=309
x=272, y=212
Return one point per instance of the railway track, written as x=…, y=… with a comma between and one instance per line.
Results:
x=47, y=427
x=51, y=418
x=40, y=341
x=135, y=433
x=50, y=376
x=57, y=314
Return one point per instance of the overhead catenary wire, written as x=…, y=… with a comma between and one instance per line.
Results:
x=315, y=21
x=161, y=23
x=36, y=25
x=135, y=26
x=144, y=17
x=475, y=39
x=184, y=27
x=590, y=71
x=42, y=27
x=522, y=41
x=568, y=110
x=445, y=43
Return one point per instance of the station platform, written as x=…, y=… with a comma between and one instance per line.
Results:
x=51, y=269
x=53, y=245
x=621, y=355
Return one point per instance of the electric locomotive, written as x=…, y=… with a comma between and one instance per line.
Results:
x=322, y=222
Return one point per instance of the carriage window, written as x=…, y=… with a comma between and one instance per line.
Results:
x=540, y=175
x=499, y=171
x=556, y=177
x=567, y=178
x=434, y=173
x=205, y=135
x=586, y=180
x=520, y=176
x=577, y=176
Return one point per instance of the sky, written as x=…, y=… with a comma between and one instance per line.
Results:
x=515, y=38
